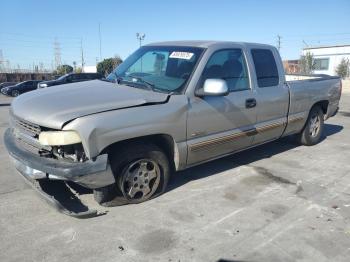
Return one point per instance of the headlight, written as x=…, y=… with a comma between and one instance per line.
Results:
x=59, y=138
x=42, y=85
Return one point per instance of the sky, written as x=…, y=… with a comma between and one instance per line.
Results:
x=28, y=29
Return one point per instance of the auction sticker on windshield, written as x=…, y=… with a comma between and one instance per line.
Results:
x=181, y=55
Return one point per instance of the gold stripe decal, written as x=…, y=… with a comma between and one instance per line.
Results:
x=221, y=140
x=228, y=138
x=295, y=119
x=269, y=127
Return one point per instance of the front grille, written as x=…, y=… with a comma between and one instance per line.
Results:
x=27, y=134
x=26, y=127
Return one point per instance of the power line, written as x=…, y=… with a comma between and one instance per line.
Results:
x=16, y=40
x=317, y=35
x=39, y=36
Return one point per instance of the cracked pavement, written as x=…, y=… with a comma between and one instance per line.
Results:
x=276, y=202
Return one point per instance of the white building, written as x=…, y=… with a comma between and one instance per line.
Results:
x=327, y=58
x=90, y=69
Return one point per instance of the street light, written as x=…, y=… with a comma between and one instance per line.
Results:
x=140, y=37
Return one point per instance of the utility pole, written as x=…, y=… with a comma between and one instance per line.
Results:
x=82, y=55
x=99, y=36
x=2, y=62
x=57, y=52
x=279, y=42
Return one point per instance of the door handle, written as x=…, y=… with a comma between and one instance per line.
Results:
x=250, y=103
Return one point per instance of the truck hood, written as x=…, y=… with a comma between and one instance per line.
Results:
x=53, y=107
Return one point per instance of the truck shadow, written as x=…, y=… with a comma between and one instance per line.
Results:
x=242, y=158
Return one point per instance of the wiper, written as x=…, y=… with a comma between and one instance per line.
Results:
x=151, y=86
x=146, y=83
x=134, y=84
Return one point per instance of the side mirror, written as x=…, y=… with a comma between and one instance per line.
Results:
x=213, y=87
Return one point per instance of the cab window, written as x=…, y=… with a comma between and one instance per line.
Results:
x=265, y=67
x=230, y=65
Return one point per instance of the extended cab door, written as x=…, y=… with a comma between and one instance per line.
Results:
x=272, y=95
x=218, y=125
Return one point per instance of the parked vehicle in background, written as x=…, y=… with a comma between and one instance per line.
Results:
x=6, y=84
x=167, y=107
x=71, y=78
x=20, y=88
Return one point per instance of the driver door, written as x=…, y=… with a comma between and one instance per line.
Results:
x=218, y=125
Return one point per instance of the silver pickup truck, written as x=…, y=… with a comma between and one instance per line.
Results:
x=169, y=106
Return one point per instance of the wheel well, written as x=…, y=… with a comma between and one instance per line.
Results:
x=323, y=104
x=165, y=142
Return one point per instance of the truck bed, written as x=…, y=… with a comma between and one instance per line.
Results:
x=306, y=90
x=301, y=77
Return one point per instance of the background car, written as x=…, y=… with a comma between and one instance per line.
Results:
x=5, y=84
x=20, y=88
x=70, y=78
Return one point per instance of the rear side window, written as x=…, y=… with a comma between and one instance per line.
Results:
x=265, y=67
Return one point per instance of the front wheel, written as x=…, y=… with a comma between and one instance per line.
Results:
x=15, y=93
x=313, y=129
x=142, y=172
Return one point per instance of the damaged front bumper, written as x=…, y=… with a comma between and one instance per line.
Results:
x=90, y=174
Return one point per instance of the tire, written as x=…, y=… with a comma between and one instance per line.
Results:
x=311, y=134
x=15, y=93
x=141, y=172
x=105, y=194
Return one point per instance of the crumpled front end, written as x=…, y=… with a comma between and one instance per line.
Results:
x=42, y=164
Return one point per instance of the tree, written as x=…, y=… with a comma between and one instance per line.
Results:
x=63, y=69
x=342, y=69
x=307, y=63
x=107, y=65
x=78, y=70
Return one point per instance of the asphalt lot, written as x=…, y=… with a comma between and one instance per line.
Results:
x=277, y=202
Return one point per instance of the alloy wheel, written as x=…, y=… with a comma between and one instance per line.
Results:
x=140, y=179
x=315, y=125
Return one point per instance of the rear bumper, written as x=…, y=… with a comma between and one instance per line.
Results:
x=90, y=174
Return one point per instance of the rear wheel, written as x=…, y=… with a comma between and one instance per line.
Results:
x=313, y=129
x=142, y=172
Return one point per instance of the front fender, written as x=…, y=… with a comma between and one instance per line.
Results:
x=98, y=131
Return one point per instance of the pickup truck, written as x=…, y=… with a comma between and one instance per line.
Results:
x=167, y=107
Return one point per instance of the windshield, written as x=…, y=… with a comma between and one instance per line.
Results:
x=165, y=68
x=62, y=77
